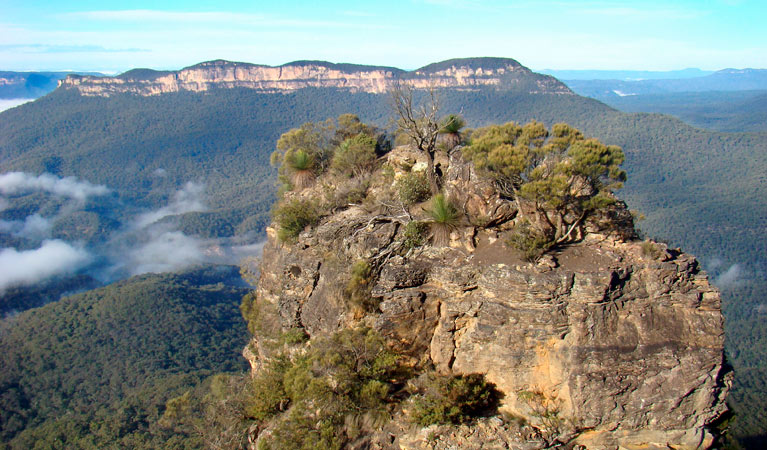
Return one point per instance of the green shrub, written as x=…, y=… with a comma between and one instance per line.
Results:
x=451, y=399
x=266, y=394
x=444, y=218
x=348, y=192
x=651, y=250
x=358, y=288
x=262, y=317
x=292, y=216
x=530, y=242
x=355, y=156
x=338, y=378
x=415, y=234
x=413, y=187
x=294, y=336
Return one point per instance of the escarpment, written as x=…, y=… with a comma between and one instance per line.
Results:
x=604, y=342
x=460, y=74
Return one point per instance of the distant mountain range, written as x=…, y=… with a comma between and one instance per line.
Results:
x=22, y=85
x=625, y=75
x=471, y=73
x=723, y=80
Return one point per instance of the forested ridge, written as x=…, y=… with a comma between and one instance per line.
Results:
x=94, y=370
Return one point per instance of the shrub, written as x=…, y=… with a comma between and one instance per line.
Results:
x=651, y=250
x=292, y=216
x=262, y=317
x=415, y=234
x=338, y=378
x=345, y=193
x=413, y=187
x=533, y=244
x=444, y=218
x=301, y=167
x=266, y=394
x=358, y=288
x=451, y=399
x=545, y=409
x=355, y=156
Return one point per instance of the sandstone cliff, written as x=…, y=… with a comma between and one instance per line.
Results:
x=625, y=344
x=460, y=73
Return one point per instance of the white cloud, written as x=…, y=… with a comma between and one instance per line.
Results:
x=166, y=251
x=189, y=198
x=54, y=257
x=17, y=182
x=35, y=227
x=730, y=276
x=13, y=102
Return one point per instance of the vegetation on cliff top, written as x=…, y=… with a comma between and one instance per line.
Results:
x=556, y=179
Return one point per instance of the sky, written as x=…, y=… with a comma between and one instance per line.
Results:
x=111, y=36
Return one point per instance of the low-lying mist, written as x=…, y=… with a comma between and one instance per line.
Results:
x=34, y=250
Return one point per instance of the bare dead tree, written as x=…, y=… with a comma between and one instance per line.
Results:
x=419, y=123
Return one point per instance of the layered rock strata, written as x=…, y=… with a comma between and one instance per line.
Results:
x=625, y=346
x=460, y=74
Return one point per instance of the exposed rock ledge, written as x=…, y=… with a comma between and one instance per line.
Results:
x=462, y=74
x=629, y=347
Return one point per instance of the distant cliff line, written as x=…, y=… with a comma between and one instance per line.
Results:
x=469, y=74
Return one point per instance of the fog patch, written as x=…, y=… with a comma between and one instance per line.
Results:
x=19, y=182
x=54, y=257
x=729, y=276
x=34, y=227
x=165, y=251
x=160, y=172
x=12, y=102
x=190, y=198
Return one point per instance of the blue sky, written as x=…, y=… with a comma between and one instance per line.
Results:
x=115, y=36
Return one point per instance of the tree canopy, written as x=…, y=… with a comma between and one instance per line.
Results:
x=560, y=173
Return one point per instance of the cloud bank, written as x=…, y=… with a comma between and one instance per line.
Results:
x=18, y=182
x=190, y=198
x=730, y=276
x=54, y=257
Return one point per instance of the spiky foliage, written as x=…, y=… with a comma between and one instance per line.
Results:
x=301, y=167
x=444, y=218
x=450, y=130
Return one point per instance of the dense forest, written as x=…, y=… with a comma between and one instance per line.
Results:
x=702, y=190
x=94, y=370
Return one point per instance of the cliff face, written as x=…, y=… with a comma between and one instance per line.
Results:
x=626, y=347
x=461, y=74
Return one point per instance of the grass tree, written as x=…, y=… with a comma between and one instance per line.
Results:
x=444, y=218
x=450, y=130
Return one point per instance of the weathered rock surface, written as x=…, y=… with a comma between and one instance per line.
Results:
x=626, y=348
x=462, y=74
